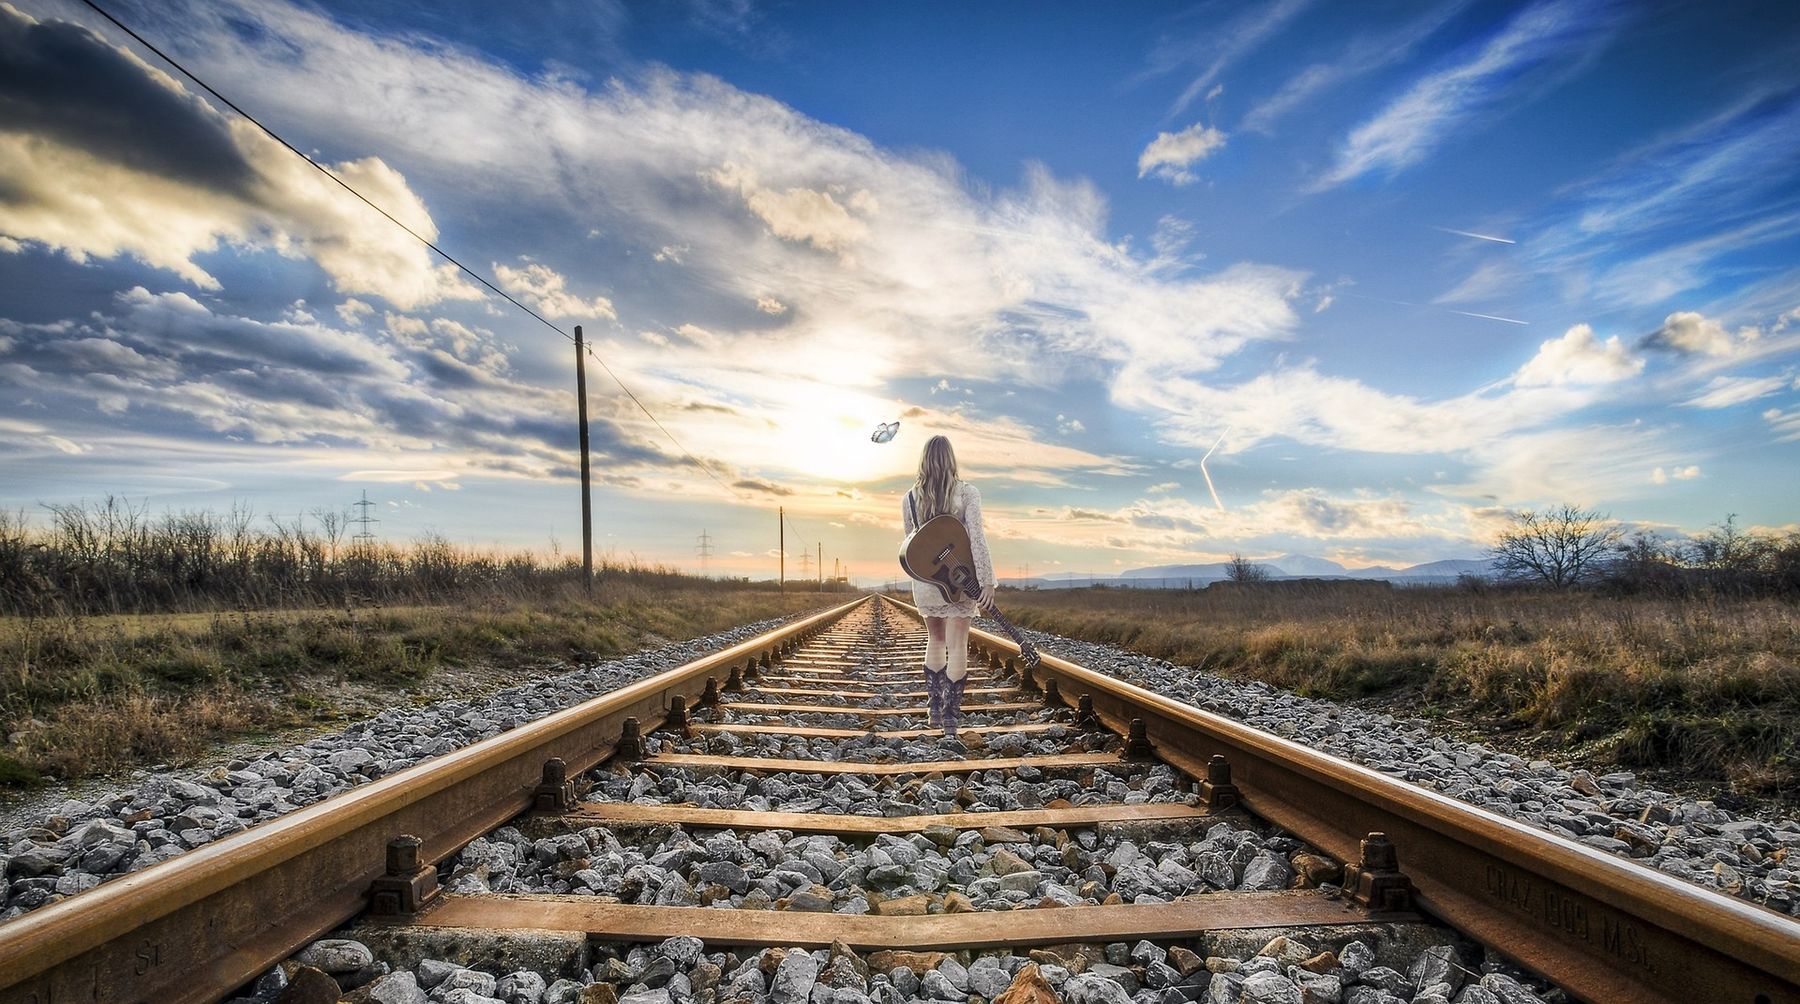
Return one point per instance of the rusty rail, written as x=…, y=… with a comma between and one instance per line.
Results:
x=192, y=928
x=1605, y=929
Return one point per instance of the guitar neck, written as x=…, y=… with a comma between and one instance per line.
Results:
x=1013, y=632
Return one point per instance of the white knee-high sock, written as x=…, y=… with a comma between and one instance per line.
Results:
x=934, y=654
x=959, y=660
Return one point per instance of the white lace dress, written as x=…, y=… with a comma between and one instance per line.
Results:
x=965, y=504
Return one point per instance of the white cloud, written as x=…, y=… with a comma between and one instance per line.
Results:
x=85, y=187
x=1028, y=277
x=1413, y=125
x=1688, y=332
x=353, y=311
x=1660, y=476
x=1170, y=154
x=800, y=213
x=546, y=291
x=1579, y=357
x=770, y=305
x=672, y=253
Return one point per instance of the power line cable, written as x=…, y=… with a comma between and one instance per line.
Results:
x=471, y=273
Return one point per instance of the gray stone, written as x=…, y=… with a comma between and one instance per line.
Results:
x=1356, y=957
x=683, y=950
x=725, y=873
x=937, y=986
x=794, y=978
x=1437, y=964
x=1025, y=881
x=1092, y=988
x=335, y=955
x=1225, y=988
x=1270, y=988
x=1118, y=974
x=432, y=972
x=1509, y=990
x=660, y=995
x=1266, y=872
x=395, y=988
x=1145, y=953
x=988, y=981
x=468, y=979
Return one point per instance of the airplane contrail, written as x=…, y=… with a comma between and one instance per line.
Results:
x=1433, y=306
x=1207, y=476
x=1489, y=317
x=1479, y=237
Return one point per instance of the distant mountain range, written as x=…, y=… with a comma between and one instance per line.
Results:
x=1287, y=566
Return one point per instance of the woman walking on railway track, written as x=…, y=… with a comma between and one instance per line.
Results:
x=938, y=491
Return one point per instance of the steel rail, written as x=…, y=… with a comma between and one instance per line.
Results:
x=1604, y=929
x=195, y=927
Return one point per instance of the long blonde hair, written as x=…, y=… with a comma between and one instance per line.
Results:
x=936, y=486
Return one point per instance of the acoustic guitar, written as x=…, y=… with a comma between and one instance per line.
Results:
x=938, y=553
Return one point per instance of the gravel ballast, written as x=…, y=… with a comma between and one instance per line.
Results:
x=1691, y=839
x=82, y=843
x=940, y=869
x=1374, y=965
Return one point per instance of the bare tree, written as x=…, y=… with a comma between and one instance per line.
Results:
x=1559, y=547
x=1242, y=569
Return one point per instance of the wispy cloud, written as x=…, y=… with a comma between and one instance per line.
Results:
x=1411, y=127
x=1364, y=54
x=1655, y=222
x=1726, y=391
x=1216, y=48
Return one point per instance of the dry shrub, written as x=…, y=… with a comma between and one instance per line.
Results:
x=1709, y=686
x=113, y=691
x=103, y=736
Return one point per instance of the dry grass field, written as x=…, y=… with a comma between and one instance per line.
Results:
x=84, y=695
x=1700, y=690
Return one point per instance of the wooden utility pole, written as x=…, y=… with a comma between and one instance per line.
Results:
x=821, y=566
x=781, y=582
x=587, y=502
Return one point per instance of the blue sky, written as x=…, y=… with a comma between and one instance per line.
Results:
x=1400, y=268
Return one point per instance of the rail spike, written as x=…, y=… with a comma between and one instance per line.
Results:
x=631, y=741
x=1217, y=791
x=555, y=793
x=1084, y=712
x=1137, y=743
x=1377, y=882
x=408, y=886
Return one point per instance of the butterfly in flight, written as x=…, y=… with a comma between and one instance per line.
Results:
x=884, y=433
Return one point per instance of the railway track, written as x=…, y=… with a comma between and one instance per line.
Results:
x=784, y=794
